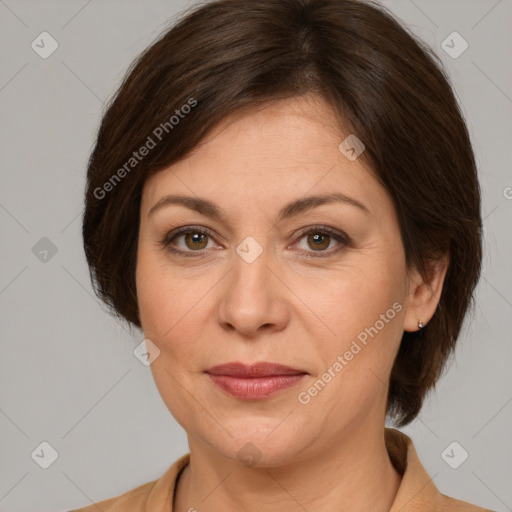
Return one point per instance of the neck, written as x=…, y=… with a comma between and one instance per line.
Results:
x=352, y=475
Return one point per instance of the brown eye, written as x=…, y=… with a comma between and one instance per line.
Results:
x=187, y=241
x=195, y=240
x=318, y=241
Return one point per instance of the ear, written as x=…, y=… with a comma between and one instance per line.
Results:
x=424, y=295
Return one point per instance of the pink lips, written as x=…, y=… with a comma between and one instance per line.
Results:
x=255, y=381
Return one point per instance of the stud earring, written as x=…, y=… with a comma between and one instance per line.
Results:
x=420, y=324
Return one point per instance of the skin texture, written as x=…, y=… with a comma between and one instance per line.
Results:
x=284, y=307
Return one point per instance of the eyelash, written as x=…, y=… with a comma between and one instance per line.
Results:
x=343, y=240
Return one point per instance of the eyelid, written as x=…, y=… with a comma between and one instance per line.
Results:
x=335, y=233
x=342, y=239
x=166, y=241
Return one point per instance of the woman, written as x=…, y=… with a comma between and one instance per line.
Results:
x=283, y=197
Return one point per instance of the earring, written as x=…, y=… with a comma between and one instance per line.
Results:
x=420, y=324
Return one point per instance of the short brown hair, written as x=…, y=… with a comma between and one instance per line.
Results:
x=385, y=85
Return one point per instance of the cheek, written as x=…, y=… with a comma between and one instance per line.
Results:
x=164, y=297
x=353, y=299
x=173, y=311
x=357, y=359
x=363, y=311
x=168, y=312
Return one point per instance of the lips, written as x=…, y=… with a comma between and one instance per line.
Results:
x=255, y=381
x=254, y=370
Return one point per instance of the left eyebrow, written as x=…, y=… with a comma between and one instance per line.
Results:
x=211, y=209
x=309, y=202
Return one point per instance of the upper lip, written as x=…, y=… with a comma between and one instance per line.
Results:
x=261, y=369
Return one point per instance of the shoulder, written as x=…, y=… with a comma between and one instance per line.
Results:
x=417, y=491
x=155, y=495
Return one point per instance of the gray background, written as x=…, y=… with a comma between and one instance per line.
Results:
x=68, y=375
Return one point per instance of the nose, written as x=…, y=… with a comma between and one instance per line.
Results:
x=253, y=298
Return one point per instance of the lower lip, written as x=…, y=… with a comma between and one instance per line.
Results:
x=255, y=388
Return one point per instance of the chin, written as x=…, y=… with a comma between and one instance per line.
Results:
x=256, y=442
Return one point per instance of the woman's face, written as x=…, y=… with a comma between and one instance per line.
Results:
x=321, y=287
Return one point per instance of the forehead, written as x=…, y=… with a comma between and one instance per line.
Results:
x=283, y=150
